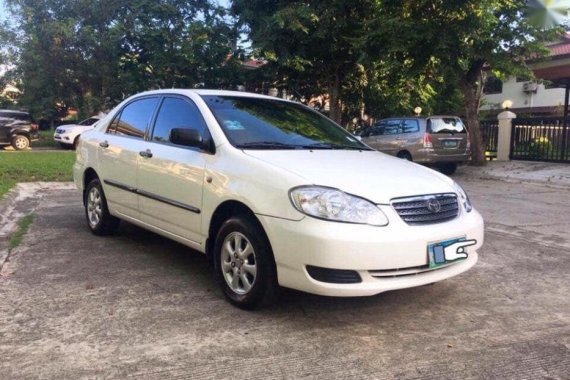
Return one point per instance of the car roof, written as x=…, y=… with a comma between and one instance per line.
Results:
x=208, y=92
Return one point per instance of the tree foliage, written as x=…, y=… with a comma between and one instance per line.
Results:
x=91, y=54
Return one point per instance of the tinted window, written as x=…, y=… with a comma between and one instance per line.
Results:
x=445, y=125
x=89, y=121
x=259, y=123
x=177, y=113
x=410, y=126
x=134, y=118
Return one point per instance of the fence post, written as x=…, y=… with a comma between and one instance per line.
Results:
x=505, y=130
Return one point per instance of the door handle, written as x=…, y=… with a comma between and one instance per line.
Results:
x=146, y=153
x=104, y=144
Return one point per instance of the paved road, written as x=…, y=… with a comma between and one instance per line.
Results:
x=137, y=305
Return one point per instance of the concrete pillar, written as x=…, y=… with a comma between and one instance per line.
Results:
x=504, y=140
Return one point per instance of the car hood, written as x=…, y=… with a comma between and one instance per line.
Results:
x=368, y=174
x=71, y=127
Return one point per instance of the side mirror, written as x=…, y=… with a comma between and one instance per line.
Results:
x=188, y=137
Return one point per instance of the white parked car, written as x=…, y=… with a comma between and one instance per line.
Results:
x=68, y=135
x=275, y=193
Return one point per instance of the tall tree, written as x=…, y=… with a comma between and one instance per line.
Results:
x=91, y=54
x=312, y=43
x=462, y=39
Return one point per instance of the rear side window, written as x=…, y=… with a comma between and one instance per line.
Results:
x=134, y=118
x=410, y=126
x=446, y=125
x=89, y=121
x=177, y=113
x=391, y=127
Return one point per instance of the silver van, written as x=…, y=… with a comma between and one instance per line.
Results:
x=440, y=141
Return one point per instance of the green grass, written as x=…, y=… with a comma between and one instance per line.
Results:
x=18, y=236
x=33, y=166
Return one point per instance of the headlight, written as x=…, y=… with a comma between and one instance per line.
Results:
x=463, y=198
x=332, y=204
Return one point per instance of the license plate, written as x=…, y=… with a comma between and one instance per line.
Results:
x=450, y=144
x=448, y=251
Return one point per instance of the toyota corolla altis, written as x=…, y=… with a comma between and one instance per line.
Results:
x=275, y=193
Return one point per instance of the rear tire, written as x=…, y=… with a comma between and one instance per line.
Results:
x=405, y=156
x=20, y=142
x=99, y=220
x=448, y=168
x=244, y=264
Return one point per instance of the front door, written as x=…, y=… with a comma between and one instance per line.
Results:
x=171, y=177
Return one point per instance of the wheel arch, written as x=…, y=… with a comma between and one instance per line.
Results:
x=223, y=212
x=88, y=175
x=402, y=152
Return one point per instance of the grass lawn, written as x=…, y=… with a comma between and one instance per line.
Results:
x=33, y=166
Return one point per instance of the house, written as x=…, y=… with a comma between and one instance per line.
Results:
x=541, y=97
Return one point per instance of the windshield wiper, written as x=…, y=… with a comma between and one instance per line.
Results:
x=266, y=145
x=335, y=146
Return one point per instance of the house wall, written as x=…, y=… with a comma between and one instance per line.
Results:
x=525, y=101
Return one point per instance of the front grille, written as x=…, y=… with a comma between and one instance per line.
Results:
x=334, y=276
x=417, y=210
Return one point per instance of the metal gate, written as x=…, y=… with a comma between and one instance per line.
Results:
x=540, y=139
x=490, y=137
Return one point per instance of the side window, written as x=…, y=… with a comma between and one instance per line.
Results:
x=393, y=127
x=410, y=126
x=134, y=118
x=377, y=130
x=177, y=113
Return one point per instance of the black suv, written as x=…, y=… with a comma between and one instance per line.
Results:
x=17, y=129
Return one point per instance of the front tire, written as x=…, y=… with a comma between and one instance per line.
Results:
x=244, y=264
x=99, y=220
x=20, y=142
x=405, y=156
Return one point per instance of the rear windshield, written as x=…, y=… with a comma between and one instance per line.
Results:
x=446, y=125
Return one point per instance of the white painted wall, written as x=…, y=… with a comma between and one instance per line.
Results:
x=512, y=90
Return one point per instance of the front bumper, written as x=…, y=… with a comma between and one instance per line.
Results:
x=398, y=252
x=62, y=139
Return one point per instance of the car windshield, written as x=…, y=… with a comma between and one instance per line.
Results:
x=257, y=123
x=446, y=125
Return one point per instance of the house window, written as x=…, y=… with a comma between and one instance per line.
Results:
x=493, y=85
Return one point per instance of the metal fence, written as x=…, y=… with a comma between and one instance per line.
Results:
x=490, y=136
x=540, y=139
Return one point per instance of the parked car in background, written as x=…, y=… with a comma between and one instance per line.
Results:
x=275, y=194
x=440, y=141
x=17, y=129
x=68, y=135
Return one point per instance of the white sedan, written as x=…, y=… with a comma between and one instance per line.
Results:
x=275, y=194
x=68, y=135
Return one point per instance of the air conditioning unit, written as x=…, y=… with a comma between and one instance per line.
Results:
x=530, y=87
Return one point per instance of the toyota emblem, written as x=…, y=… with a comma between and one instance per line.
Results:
x=433, y=205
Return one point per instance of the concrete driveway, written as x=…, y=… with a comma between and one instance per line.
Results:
x=136, y=305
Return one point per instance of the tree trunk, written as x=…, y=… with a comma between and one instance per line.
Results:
x=472, y=86
x=334, y=102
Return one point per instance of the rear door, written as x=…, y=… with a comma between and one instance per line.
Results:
x=119, y=154
x=5, y=120
x=448, y=135
x=391, y=138
x=171, y=177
